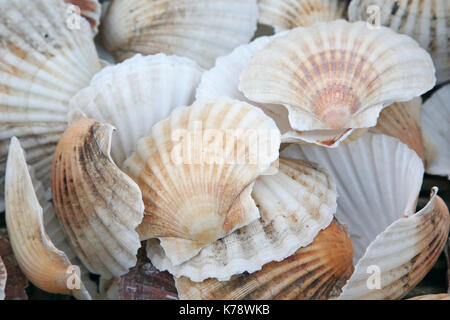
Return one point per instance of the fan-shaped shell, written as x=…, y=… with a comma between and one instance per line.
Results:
x=198, y=29
x=145, y=282
x=135, y=94
x=98, y=205
x=337, y=75
x=43, y=264
x=395, y=172
x=427, y=21
x=402, y=255
x=16, y=280
x=440, y=296
x=200, y=165
x=288, y=14
x=90, y=9
x=435, y=123
x=378, y=211
x=317, y=271
x=223, y=80
x=294, y=204
x=43, y=64
x=402, y=120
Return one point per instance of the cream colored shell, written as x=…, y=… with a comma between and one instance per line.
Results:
x=135, y=94
x=337, y=75
x=88, y=9
x=43, y=264
x=427, y=21
x=43, y=64
x=317, y=271
x=98, y=205
x=199, y=165
x=295, y=204
x=288, y=14
x=198, y=29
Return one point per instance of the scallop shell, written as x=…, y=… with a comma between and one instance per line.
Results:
x=288, y=14
x=135, y=94
x=98, y=205
x=43, y=264
x=89, y=9
x=378, y=211
x=317, y=271
x=3, y=277
x=295, y=204
x=441, y=296
x=198, y=29
x=403, y=254
x=402, y=120
x=43, y=64
x=427, y=21
x=223, y=80
x=337, y=75
x=435, y=124
x=187, y=172
x=16, y=280
x=145, y=282
x=395, y=172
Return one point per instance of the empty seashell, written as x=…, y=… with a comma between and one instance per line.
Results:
x=288, y=14
x=135, y=94
x=440, y=296
x=337, y=75
x=198, y=29
x=200, y=165
x=43, y=64
x=90, y=9
x=317, y=271
x=381, y=210
x=427, y=21
x=43, y=264
x=294, y=204
x=223, y=80
x=98, y=205
x=402, y=255
x=145, y=282
x=435, y=123
x=16, y=280
x=109, y=289
x=401, y=120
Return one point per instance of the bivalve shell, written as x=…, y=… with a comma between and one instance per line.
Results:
x=43, y=64
x=98, y=205
x=295, y=204
x=317, y=271
x=200, y=165
x=43, y=264
x=337, y=75
x=135, y=94
x=427, y=21
x=198, y=29
x=288, y=14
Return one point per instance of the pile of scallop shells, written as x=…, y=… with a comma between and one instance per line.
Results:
x=222, y=149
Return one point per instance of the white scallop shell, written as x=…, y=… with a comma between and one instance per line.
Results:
x=378, y=182
x=288, y=14
x=135, y=94
x=435, y=123
x=46, y=266
x=187, y=173
x=198, y=29
x=295, y=204
x=43, y=64
x=427, y=21
x=223, y=80
x=337, y=75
